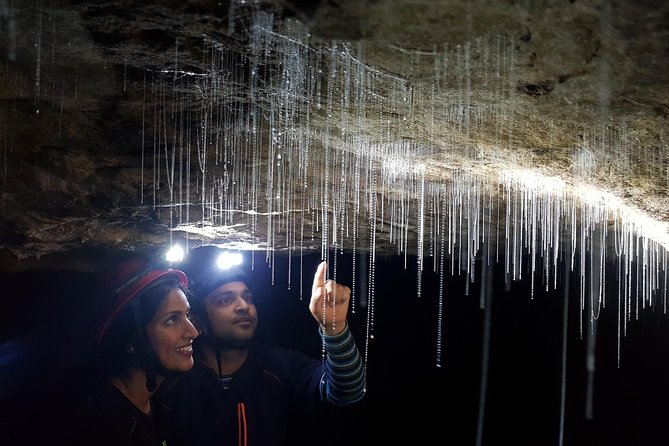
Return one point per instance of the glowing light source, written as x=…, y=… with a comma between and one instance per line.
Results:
x=228, y=259
x=175, y=254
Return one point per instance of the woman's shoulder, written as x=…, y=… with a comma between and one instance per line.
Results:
x=107, y=417
x=107, y=406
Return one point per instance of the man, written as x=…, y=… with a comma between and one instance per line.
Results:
x=242, y=391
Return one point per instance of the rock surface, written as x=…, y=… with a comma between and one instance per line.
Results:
x=129, y=125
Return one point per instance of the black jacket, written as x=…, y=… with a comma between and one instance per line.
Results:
x=194, y=409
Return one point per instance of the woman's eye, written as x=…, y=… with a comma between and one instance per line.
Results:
x=171, y=320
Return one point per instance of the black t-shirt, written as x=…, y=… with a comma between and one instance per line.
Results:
x=108, y=418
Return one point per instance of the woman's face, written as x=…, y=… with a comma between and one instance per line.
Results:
x=171, y=333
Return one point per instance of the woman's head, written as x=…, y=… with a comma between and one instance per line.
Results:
x=170, y=332
x=146, y=323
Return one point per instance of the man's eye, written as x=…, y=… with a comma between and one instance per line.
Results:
x=224, y=300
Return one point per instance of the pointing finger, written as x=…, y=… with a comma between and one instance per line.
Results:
x=319, y=277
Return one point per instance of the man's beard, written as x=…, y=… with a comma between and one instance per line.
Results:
x=233, y=344
x=225, y=344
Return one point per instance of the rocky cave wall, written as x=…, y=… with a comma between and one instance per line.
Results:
x=110, y=113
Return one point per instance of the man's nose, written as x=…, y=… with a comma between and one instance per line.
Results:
x=241, y=303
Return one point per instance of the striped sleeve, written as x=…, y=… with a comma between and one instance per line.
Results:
x=344, y=381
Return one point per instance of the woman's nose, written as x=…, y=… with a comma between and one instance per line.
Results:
x=191, y=331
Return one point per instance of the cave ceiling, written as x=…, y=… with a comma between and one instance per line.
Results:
x=285, y=126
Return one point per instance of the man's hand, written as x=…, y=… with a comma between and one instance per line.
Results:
x=329, y=302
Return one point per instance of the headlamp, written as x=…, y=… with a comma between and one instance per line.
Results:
x=174, y=254
x=224, y=260
x=229, y=259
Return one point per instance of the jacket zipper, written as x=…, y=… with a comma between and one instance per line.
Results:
x=241, y=424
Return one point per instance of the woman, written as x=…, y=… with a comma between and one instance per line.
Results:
x=145, y=335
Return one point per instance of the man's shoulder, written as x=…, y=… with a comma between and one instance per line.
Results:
x=281, y=359
x=268, y=351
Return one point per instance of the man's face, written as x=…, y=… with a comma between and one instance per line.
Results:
x=232, y=313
